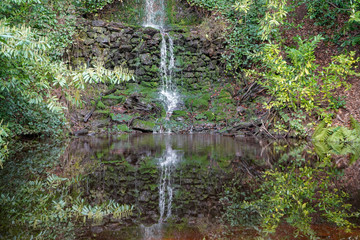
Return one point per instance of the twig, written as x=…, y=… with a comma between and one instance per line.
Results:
x=266, y=131
x=335, y=6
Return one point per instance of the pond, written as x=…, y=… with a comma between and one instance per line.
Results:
x=195, y=186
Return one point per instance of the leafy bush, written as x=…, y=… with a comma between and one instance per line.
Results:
x=295, y=82
x=90, y=6
x=53, y=19
x=3, y=144
x=29, y=78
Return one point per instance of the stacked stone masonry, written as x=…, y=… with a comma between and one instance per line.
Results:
x=197, y=59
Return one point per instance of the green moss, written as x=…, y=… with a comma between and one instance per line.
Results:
x=100, y=105
x=121, y=117
x=111, y=96
x=145, y=125
x=150, y=85
x=180, y=113
x=154, y=69
x=210, y=115
x=225, y=97
x=122, y=128
x=200, y=116
x=102, y=113
x=130, y=12
x=220, y=116
x=196, y=104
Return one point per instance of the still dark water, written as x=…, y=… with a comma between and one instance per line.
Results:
x=190, y=186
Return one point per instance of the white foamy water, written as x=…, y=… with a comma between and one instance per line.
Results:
x=167, y=163
x=155, y=18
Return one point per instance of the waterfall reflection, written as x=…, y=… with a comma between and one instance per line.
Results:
x=167, y=164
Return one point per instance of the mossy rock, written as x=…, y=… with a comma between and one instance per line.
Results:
x=113, y=96
x=102, y=113
x=225, y=97
x=100, y=105
x=142, y=125
x=151, y=85
x=180, y=113
x=122, y=128
x=111, y=100
x=154, y=69
x=102, y=123
x=121, y=117
x=196, y=103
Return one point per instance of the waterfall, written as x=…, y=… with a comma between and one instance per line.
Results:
x=155, y=18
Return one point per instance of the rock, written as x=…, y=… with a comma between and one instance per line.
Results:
x=80, y=132
x=99, y=123
x=92, y=35
x=89, y=41
x=144, y=196
x=143, y=126
x=115, y=36
x=240, y=109
x=150, y=31
x=125, y=48
x=103, y=39
x=135, y=40
x=100, y=30
x=98, y=23
x=97, y=229
x=239, y=135
x=145, y=58
x=115, y=26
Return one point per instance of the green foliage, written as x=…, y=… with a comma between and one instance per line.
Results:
x=324, y=13
x=287, y=194
x=338, y=140
x=243, y=35
x=295, y=82
x=3, y=144
x=26, y=72
x=29, y=77
x=53, y=19
x=122, y=128
x=48, y=209
x=90, y=6
x=274, y=17
x=337, y=134
x=294, y=122
x=296, y=190
x=99, y=74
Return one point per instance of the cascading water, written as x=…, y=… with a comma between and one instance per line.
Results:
x=167, y=164
x=155, y=18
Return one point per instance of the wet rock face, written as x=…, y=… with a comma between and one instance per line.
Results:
x=197, y=60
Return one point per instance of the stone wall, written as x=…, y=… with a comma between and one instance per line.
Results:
x=197, y=59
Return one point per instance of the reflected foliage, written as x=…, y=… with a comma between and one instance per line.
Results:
x=295, y=190
x=338, y=140
x=47, y=207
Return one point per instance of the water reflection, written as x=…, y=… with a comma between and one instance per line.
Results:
x=167, y=164
x=183, y=185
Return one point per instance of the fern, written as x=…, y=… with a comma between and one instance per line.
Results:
x=319, y=128
x=355, y=125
